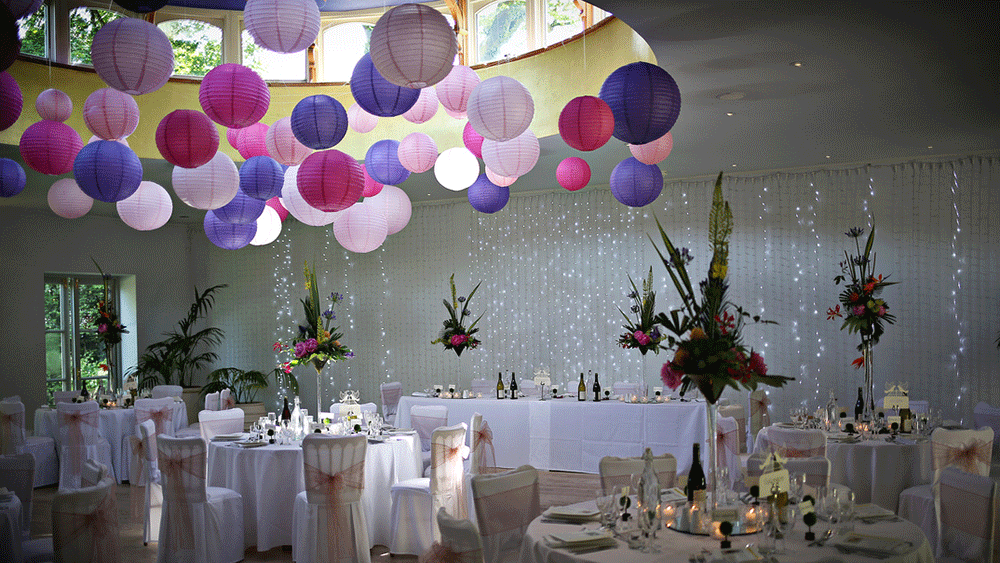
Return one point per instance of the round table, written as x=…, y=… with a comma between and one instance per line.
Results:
x=269, y=477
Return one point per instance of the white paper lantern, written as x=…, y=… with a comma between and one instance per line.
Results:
x=502, y=181
x=362, y=228
x=396, y=205
x=513, y=158
x=149, y=208
x=132, y=56
x=209, y=186
x=500, y=108
x=417, y=152
x=282, y=144
x=297, y=206
x=67, y=200
x=283, y=26
x=54, y=105
x=110, y=114
x=425, y=108
x=268, y=228
x=360, y=120
x=453, y=92
x=456, y=168
x=413, y=45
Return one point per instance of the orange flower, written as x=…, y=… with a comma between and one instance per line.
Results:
x=697, y=334
x=858, y=363
x=832, y=313
x=680, y=357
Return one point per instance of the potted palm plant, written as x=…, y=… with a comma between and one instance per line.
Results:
x=244, y=385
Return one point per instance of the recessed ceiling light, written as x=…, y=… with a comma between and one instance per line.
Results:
x=730, y=114
x=797, y=63
x=930, y=146
x=730, y=96
x=734, y=166
x=828, y=156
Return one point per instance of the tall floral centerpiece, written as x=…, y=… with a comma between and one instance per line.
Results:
x=109, y=327
x=455, y=336
x=864, y=311
x=641, y=331
x=318, y=342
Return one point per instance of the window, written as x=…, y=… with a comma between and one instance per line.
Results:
x=33, y=31
x=343, y=47
x=83, y=24
x=501, y=30
x=562, y=21
x=197, y=46
x=273, y=66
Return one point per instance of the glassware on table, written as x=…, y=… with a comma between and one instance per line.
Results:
x=272, y=418
x=648, y=521
x=846, y=506
x=607, y=505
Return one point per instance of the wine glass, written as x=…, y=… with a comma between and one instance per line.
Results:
x=608, y=507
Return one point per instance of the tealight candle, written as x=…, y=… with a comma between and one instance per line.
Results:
x=669, y=513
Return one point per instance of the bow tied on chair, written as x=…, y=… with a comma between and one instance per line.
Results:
x=967, y=457
x=484, y=440
x=174, y=468
x=440, y=553
x=160, y=418
x=136, y=467
x=449, y=472
x=758, y=408
x=11, y=432
x=726, y=441
x=338, y=537
x=74, y=422
x=101, y=524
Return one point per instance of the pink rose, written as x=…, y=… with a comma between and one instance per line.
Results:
x=311, y=345
x=300, y=349
x=102, y=328
x=757, y=364
x=459, y=339
x=641, y=338
x=881, y=311
x=670, y=377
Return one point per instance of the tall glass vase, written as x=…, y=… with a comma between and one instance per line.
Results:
x=868, y=413
x=319, y=365
x=711, y=476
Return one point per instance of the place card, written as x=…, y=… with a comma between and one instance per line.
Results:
x=768, y=480
x=438, y=389
x=806, y=506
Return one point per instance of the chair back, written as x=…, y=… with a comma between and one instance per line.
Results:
x=391, y=392
x=78, y=423
x=448, y=451
x=483, y=387
x=968, y=516
x=160, y=411
x=85, y=525
x=335, y=477
x=727, y=446
x=759, y=406
x=969, y=450
x=181, y=462
x=226, y=399
x=64, y=396
x=795, y=442
x=17, y=474
x=505, y=504
x=341, y=411
x=163, y=391
x=459, y=541
x=739, y=414
x=617, y=471
x=144, y=454
x=627, y=389
x=815, y=469
x=213, y=423
x=483, y=458
x=212, y=401
x=528, y=388
x=424, y=419
x=12, y=433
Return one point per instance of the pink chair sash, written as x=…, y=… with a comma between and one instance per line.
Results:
x=758, y=410
x=174, y=468
x=483, y=439
x=102, y=524
x=727, y=441
x=139, y=472
x=338, y=537
x=787, y=451
x=440, y=553
x=508, y=510
x=966, y=457
x=161, y=418
x=450, y=482
x=11, y=432
x=74, y=422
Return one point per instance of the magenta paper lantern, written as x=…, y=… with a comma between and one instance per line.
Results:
x=382, y=163
x=498, y=179
x=12, y=178
x=655, y=151
x=425, y=108
x=241, y=209
x=645, y=101
x=261, y=177
x=110, y=114
x=252, y=141
x=228, y=236
x=376, y=94
x=636, y=184
x=500, y=108
x=413, y=45
x=586, y=123
x=67, y=200
x=132, y=56
x=397, y=208
x=268, y=227
x=231, y=136
x=515, y=157
x=50, y=147
x=11, y=100
x=417, y=152
x=360, y=120
x=292, y=200
x=330, y=180
x=107, y=171
x=283, y=26
x=282, y=144
x=187, y=138
x=22, y=8
x=275, y=204
x=372, y=187
x=472, y=140
x=234, y=96
x=54, y=105
x=487, y=197
x=209, y=186
x=362, y=228
x=573, y=173
x=149, y=208
x=456, y=168
x=453, y=92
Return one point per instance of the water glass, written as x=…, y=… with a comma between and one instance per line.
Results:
x=847, y=509
x=609, y=508
x=271, y=418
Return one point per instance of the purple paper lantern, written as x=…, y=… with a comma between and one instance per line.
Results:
x=282, y=26
x=378, y=96
x=636, y=184
x=319, y=122
x=22, y=8
x=413, y=45
x=11, y=100
x=132, y=56
x=141, y=6
x=187, y=138
x=50, y=147
x=330, y=180
x=241, y=209
x=10, y=40
x=12, y=178
x=228, y=236
x=645, y=101
x=261, y=178
x=487, y=197
x=107, y=171
x=382, y=163
x=234, y=96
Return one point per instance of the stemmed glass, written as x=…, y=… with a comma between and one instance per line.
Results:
x=608, y=507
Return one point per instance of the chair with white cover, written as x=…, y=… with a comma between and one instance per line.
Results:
x=64, y=396
x=85, y=524
x=505, y=504
x=759, y=406
x=17, y=474
x=459, y=541
x=415, y=502
x=970, y=517
x=617, y=471
x=340, y=411
x=198, y=523
x=14, y=440
x=791, y=442
x=739, y=413
x=226, y=400
x=160, y=411
x=391, y=392
x=214, y=423
x=424, y=419
x=212, y=401
x=816, y=470
x=986, y=415
x=79, y=439
x=528, y=388
x=627, y=389
x=482, y=455
x=144, y=482
x=483, y=387
x=163, y=391
x=727, y=448
x=328, y=519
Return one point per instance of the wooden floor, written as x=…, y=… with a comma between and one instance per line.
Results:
x=556, y=488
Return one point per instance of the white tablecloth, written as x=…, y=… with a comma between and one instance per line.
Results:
x=571, y=435
x=10, y=530
x=270, y=476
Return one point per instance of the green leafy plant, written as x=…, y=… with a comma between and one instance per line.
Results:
x=245, y=384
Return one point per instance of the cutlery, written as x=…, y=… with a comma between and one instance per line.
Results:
x=823, y=539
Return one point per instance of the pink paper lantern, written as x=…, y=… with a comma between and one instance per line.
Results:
x=94, y=138
x=54, y=105
x=252, y=141
x=292, y=200
x=417, y=152
x=231, y=135
x=502, y=181
x=275, y=204
x=453, y=92
x=11, y=100
x=653, y=152
x=50, y=147
x=500, y=108
x=187, y=138
x=67, y=200
x=372, y=187
x=573, y=173
x=360, y=120
x=234, y=96
x=397, y=208
x=425, y=108
x=472, y=140
x=456, y=114
x=586, y=123
x=362, y=228
x=413, y=45
x=330, y=180
x=110, y=114
x=132, y=56
x=282, y=144
x=283, y=26
x=515, y=157
x=209, y=186
x=147, y=209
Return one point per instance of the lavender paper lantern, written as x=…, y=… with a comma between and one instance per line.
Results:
x=275, y=204
x=142, y=6
x=586, y=123
x=132, y=56
x=500, y=108
x=330, y=180
x=472, y=140
x=417, y=152
x=67, y=200
x=209, y=186
x=360, y=120
x=636, y=184
x=377, y=95
x=319, y=122
x=283, y=26
x=54, y=105
x=425, y=108
x=107, y=171
x=187, y=138
x=261, y=177
x=12, y=178
x=234, y=96
x=292, y=201
x=110, y=114
x=50, y=147
x=413, y=45
x=22, y=8
x=11, y=100
x=228, y=236
x=382, y=163
x=149, y=208
x=241, y=209
x=498, y=179
x=282, y=144
x=456, y=168
x=645, y=101
x=372, y=187
x=268, y=227
x=487, y=197
x=362, y=228
x=654, y=152
x=396, y=205
x=573, y=173
x=251, y=141
x=453, y=92
x=513, y=158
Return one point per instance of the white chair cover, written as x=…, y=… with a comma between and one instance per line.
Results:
x=328, y=520
x=484, y=387
x=619, y=470
x=17, y=474
x=340, y=411
x=85, y=526
x=528, y=388
x=987, y=415
x=505, y=504
x=79, y=439
x=163, y=391
x=627, y=389
x=727, y=448
x=969, y=513
x=160, y=411
x=226, y=400
x=482, y=457
x=816, y=469
x=198, y=523
x=459, y=543
x=792, y=442
x=92, y=473
x=739, y=413
x=64, y=396
x=14, y=440
x=760, y=406
x=12, y=434
x=144, y=481
x=213, y=423
x=424, y=419
x=391, y=392
x=212, y=401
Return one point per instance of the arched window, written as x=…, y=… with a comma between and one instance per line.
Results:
x=343, y=46
x=83, y=24
x=34, y=31
x=501, y=30
x=197, y=46
x=562, y=21
x=270, y=65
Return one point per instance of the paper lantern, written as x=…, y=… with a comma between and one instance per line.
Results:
x=94, y=138
x=50, y=147
x=251, y=141
x=456, y=168
x=655, y=151
x=275, y=204
x=66, y=199
x=228, y=236
x=132, y=56
x=362, y=228
x=12, y=178
x=413, y=45
x=636, y=184
x=187, y=138
x=232, y=95
x=425, y=108
x=231, y=135
x=645, y=101
x=11, y=100
x=472, y=140
x=360, y=120
x=487, y=197
x=498, y=179
x=261, y=177
x=22, y=8
x=330, y=180
x=500, y=108
x=54, y=105
x=142, y=6
x=382, y=163
x=377, y=95
x=292, y=200
x=319, y=122
x=459, y=115
x=573, y=173
x=10, y=40
x=396, y=205
x=283, y=26
x=110, y=114
x=268, y=227
x=372, y=187
x=241, y=209
x=209, y=186
x=586, y=123
x=282, y=144
x=107, y=171
x=515, y=157
x=453, y=92
x=417, y=152
x=149, y=208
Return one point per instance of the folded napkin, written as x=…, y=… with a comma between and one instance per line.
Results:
x=419, y=394
x=227, y=437
x=669, y=496
x=871, y=546
x=582, y=541
x=572, y=513
x=871, y=510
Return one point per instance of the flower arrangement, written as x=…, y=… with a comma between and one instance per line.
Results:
x=707, y=331
x=317, y=342
x=109, y=327
x=642, y=332
x=455, y=336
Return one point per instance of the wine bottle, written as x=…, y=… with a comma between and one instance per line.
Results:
x=859, y=407
x=905, y=421
x=513, y=385
x=296, y=418
x=581, y=390
x=286, y=414
x=696, y=485
x=500, y=389
x=597, y=389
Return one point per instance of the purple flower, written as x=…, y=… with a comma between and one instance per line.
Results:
x=635, y=308
x=461, y=300
x=300, y=349
x=633, y=295
x=855, y=232
x=311, y=345
x=655, y=333
x=349, y=355
x=328, y=314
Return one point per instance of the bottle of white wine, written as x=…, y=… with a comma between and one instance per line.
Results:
x=500, y=391
x=581, y=389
